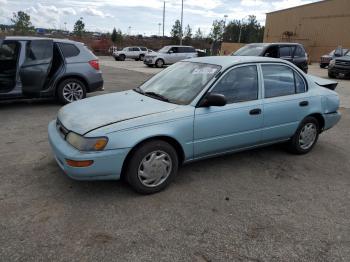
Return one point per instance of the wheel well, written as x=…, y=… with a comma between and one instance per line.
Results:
x=74, y=77
x=319, y=119
x=178, y=148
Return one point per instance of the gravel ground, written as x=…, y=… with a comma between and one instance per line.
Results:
x=260, y=205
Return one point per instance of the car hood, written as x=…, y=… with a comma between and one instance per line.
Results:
x=343, y=58
x=92, y=113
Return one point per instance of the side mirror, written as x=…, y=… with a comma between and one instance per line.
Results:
x=267, y=55
x=170, y=52
x=213, y=99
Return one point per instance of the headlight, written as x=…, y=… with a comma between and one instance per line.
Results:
x=332, y=62
x=86, y=143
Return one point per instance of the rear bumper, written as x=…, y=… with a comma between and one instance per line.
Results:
x=107, y=165
x=331, y=120
x=96, y=86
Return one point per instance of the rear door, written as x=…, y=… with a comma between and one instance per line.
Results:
x=285, y=53
x=36, y=66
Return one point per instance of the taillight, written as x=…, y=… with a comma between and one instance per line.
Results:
x=95, y=64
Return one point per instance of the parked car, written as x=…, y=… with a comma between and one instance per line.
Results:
x=194, y=109
x=32, y=67
x=339, y=67
x=292, y=52
x=169, y=55
x=325, y=59
x=133, y=52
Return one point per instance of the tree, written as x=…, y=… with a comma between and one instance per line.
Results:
x=119, y=37
x=198, y=35
x=22, y=23
x=188, y=34
x=114, y=36
x=217, y=30
x=176, y=31
x=79, y=27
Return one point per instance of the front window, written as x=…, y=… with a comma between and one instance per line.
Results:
x=347, y=54
x=179, y=83
x=165, y=49
x=249, y=50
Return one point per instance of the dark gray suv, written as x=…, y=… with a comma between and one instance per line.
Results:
x=292, y=52
x=41, y=67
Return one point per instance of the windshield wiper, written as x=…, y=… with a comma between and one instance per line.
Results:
x=139, y=90
x=157, y=96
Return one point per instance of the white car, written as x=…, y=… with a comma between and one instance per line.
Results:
x=133, y=52
x=169, y=55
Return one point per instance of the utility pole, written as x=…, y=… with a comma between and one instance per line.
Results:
x=182, y=20
x=159, y=24
x=163, y=18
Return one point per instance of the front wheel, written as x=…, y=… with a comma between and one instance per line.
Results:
x=305, y=137
x=331, y=75
x=152, y=166
x=160, y=63
x=71, y=90
x=141, y=57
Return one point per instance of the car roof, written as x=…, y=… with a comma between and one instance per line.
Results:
x=277, y=43
x=28, y=38
x=179, y=46
x=228, y=61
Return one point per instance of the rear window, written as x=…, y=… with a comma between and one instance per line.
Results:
x=285, y=51
x=299, y=52
x=249, y=50
x=69, y=50
x=143, y=48
x=38, y=50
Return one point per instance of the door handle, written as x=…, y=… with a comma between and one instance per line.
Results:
x=256, y=111
x=304, y=103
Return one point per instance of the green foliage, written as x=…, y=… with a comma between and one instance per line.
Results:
x=114, y=36
x=79, y=27
x=119, y=37
x=198, y=35
x=251, y=31
x=22, y=23
x=176, y=31
x=217, y=30
x=188, y=35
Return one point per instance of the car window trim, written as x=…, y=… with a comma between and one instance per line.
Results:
x=294, y=71
x=219, y=76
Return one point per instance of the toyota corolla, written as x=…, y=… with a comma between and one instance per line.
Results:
x=194, y=109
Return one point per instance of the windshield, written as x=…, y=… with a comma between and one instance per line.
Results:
x=181, y=82
x=347, y=54
x=249, y=50
x=165, y=49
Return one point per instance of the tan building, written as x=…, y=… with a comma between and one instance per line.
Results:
x=320, y=26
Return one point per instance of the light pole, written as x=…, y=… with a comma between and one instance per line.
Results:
x=182, y=19
x=163, y=17
x=240, y=30
x=225, y=17
x=159, y=24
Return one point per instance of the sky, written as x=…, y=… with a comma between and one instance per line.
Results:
x=139, y=16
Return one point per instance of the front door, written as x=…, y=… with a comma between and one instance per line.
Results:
x=236, y=125
x=36, y=66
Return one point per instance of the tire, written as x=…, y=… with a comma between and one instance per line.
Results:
x=160, y=172
x=322, y=66
x=331, y=75
x=159, y=63
x=150, y=65
x=116, y=59
x=310, y=128
x=141, y=57
x=73, y=85
x=122, y=57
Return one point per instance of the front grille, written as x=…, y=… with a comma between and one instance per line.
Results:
x=342, y=63
x=61, y=129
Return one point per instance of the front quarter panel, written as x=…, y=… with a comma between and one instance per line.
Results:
x=176, y=124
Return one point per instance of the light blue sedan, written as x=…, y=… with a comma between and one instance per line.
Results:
x=195, y=109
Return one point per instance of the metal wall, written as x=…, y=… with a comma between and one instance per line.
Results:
x=320, y=26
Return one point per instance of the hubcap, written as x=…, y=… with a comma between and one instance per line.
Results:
x=159, y=63
x=154, y=168
x=307, y=136
x=73, y=92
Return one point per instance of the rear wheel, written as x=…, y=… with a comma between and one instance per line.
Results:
x=322, y=65
x=152, y=167
x=305, y=137
x=71, y=90
x=160, y=63
x=141, y=57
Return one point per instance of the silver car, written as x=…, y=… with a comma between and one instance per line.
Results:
x=133, y=52
x=33, y=67
x=169, y=55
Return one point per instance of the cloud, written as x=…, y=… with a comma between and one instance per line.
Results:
x=289, y=3
x=252, y=3
x=68, y=11
x=91, y=12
